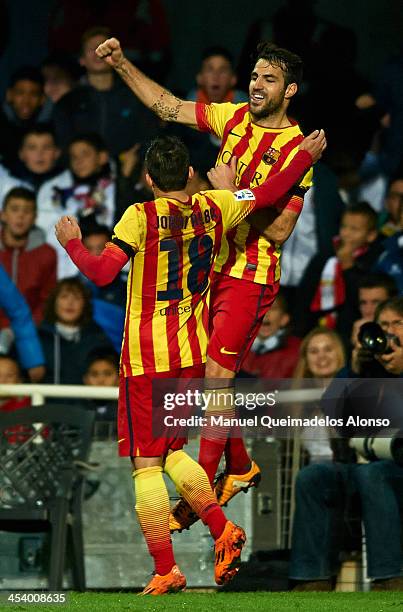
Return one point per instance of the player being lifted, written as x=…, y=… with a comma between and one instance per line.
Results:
x=263, y=140
x=172, y=243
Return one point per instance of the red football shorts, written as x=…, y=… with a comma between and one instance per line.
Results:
x=136, y=413
x=237, y=308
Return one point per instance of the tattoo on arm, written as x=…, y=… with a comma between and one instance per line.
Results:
x=167, y=112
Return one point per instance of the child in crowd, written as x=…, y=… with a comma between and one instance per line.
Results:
x=87, y=190
x=29, y=261
x=103, y=371
x=69, y=334
x=38, y=156
x=24, y=107
x=329, y=289
x=274, y=352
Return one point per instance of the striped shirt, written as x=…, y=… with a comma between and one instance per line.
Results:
x=261, y=153
x=174, y=244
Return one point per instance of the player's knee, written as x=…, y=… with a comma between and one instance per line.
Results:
x=215, y=370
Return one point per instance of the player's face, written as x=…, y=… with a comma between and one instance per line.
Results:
x=9, y=374
x=39, y=153
x=322, y=356
x=18, y=217
x=274, y=320
x=69, y=306
x=354, y=231
x=216, y=78
x=266, y=90
x=369, y=298
x=102, y=374
x=26, y=97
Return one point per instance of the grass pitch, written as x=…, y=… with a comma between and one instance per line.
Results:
x=228, y=602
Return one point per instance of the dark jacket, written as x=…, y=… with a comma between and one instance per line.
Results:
x=116, y=115
x=66, y=360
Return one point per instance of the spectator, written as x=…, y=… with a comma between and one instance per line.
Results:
x=103, y=371
x=372, y=291
x=321, y=357
x=109, y=301
x=68, y=333
x=324, y=491
x=22, y=329
x=216, y=79
x=38, y=157
x=30, y=262
x=393, y=204
x=60, y=76
x=328, y=292
x=24, y=107
x=274, y=352
x=87, y=190
x=391, y=260
x=102, y=104
x=10, y=374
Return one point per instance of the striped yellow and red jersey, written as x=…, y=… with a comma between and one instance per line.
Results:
x=174, y=245
x=261, y=153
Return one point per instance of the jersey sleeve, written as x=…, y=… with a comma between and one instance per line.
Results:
x=129, y=232
x=213, y=117
x=234, y=206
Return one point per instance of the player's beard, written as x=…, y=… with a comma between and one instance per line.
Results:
x=272, y=107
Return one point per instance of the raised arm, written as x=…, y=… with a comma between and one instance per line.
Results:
x=167, y=106
x=100, y=269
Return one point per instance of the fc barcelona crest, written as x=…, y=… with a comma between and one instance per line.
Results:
x=271, y=156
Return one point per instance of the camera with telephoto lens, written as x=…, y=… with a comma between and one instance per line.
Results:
x=385, y=444
x=373, y=338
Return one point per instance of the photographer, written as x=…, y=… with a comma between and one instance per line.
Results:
x=324, y=492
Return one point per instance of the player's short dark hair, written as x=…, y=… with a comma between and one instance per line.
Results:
x=39, y=129
x=395, y=303
x=217, y=50
x=290, y=63
x=91, y=32
x=167, y=163
x=91, y=138
x=364, y=209
x=377, y=279
x=22, y=193
x=27, y=73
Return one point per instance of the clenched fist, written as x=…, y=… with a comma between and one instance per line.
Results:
x=315, y=144
x=111, y=51
x=67, y=229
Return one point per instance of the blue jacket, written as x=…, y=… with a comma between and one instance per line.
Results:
x=26, y=338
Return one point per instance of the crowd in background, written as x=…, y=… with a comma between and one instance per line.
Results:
x=72, y=142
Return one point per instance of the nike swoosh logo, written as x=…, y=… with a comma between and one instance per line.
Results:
x=225, y=352
x=237, y=135
x=121, y=440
